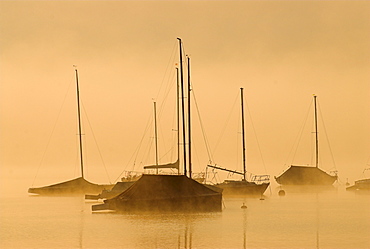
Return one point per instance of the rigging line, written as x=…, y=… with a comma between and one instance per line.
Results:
x=126, y=165
x=173, y=139
x=299, y=136
x=170, y=86
x=226, y=123
x=96, y=143
x=86, y=152
x=327, y=137
x=366, y=169
x=136, y=151
x=363, y=174
x=163, y=142
x=197, y=156
x=147, y=150
x=138, y=148
x=172, y=58
x=165, y=154
x=312, y=146
x=52, y=132
x=167, y=92
x=174, y=120
x=255, y=134
x=77, y=156
x=166, y=95
x=367, y=165
x=77, y=161
x=202, y=127
x=239, y=147
x=301, y=131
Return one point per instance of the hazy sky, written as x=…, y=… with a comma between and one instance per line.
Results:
x=281, y=52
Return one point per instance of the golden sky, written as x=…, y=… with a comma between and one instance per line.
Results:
x=281, y=52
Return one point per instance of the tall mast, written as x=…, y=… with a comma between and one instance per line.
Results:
x=182, y=104
x=243, y=135
x=155, y=134
x=316, y=133
x=189, y=121
x=79, y=125
x=178, y=115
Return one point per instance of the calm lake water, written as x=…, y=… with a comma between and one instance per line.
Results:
x=331, y=218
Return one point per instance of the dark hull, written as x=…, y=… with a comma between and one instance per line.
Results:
x=360, y=185
x=302, y=175
x=165, y=193
x=181, y=204
x=78, y=186
x=243, y=188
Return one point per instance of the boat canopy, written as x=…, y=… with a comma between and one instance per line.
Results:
x=75, y=186
x=174, y=165
x=165, y=193
x=305, y=175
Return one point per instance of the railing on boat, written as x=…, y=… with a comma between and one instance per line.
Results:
x=260, y=179
x=333, y=172
x=131, y=176
x=363, y=181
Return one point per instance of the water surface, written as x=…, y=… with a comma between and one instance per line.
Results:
x=329, y=218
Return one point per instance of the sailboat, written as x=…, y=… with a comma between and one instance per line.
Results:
x=258, y=183
x=361, y=184
x=308, y=175
x=78, y=185
x=167, y=193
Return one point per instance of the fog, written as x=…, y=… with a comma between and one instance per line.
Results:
x=281, y=53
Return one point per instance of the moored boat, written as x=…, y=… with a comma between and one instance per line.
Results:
x=363, y=184
x=257, y=185
x=305, y=175
x=308, y=175
x=78, y=185
x=164, y=193
x=168, y=193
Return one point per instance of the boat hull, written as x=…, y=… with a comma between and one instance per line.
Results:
x=165, y=193
x=78, y=186
x=302, y=175
x=183, y=204
x=363, y=184
x=243, y=188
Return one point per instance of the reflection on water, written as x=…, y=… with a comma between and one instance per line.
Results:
x=306, y=189
x=317, y=224
x=244, y=228
x=188, y=236
x=312, y=219
x=82, y=222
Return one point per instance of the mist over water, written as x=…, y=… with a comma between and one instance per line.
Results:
x=305, y=218
x=281, y=52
